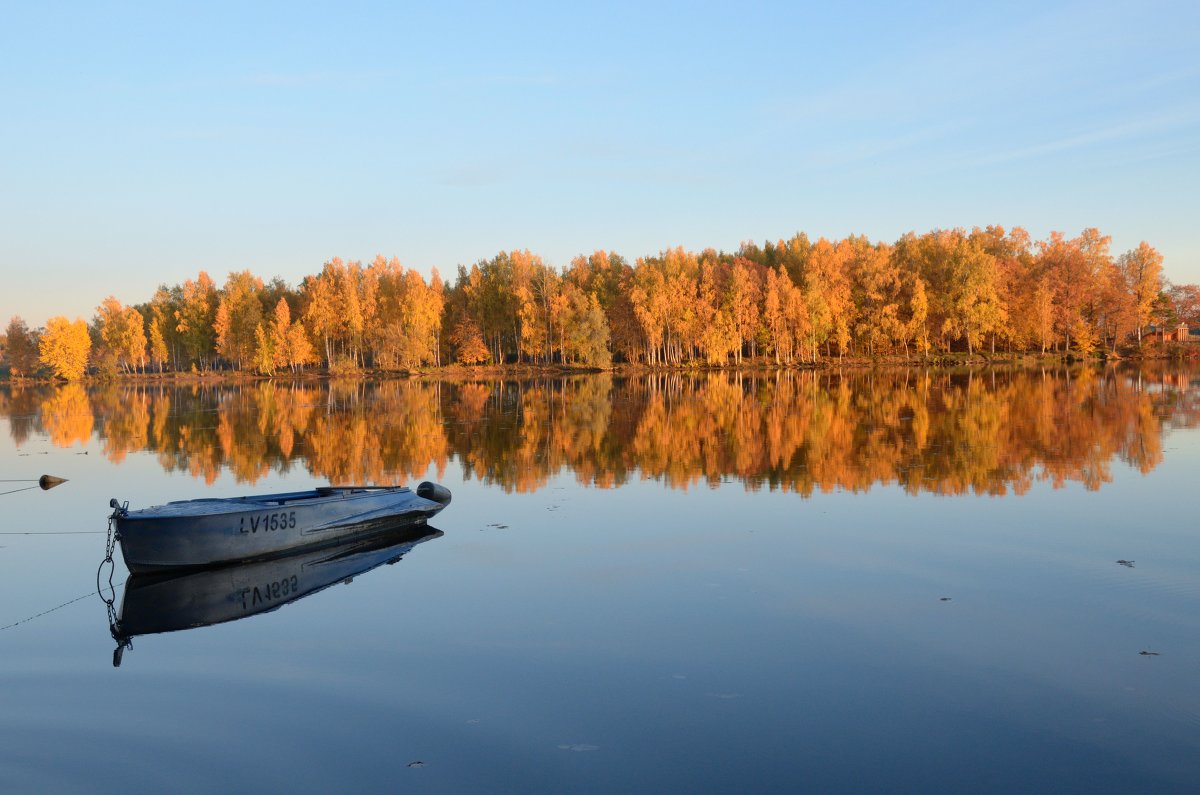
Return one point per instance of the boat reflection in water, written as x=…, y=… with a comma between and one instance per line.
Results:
x=167, y=602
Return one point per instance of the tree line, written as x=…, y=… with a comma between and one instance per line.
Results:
x=790, y=302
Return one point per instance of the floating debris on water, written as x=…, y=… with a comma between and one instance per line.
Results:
x=580, y=747
x=1126, y=563
x=417, y=763
x=1145, y=653
x=946, y=599
x=473, y=721
x=726, y=696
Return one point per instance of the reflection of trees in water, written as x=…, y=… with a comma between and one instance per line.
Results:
x=943, y=432
x=21, y=405
x=67, y=416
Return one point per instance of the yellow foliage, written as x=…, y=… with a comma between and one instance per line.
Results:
x=67, y=416
x=65, y=346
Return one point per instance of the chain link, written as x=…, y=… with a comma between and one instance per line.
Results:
x=114, y=625
x=110, y=546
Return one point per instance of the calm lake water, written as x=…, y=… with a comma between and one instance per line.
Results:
x=867, y=581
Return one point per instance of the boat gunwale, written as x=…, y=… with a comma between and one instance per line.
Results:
x=204, y=506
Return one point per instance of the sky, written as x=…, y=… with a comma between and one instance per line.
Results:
x=141, y=143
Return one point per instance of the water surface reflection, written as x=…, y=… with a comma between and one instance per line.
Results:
x=169, y=602
x=989, y=432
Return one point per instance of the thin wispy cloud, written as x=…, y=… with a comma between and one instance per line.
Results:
x=1139, y=128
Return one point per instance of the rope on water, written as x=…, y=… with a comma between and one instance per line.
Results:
x=59, y=607
x=109, y=548
x=51, y=532
x=14, y=491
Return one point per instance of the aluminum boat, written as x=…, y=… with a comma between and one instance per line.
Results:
x=215, y=531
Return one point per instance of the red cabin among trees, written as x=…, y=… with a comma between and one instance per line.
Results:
x=1179, y=334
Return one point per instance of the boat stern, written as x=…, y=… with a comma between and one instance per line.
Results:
x=435, y=492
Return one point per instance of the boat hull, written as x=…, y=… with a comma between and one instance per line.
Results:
x=203, y=533
x=172, y=601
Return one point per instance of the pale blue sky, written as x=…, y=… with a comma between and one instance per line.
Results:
x=144, y=142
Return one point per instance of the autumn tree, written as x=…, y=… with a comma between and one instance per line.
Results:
x=469, y=343
x=161, y=313
x=264, y=351
x=975, y=307
x=534, y=287
x=21, y=348
x=322, y=314
x=1186, y=300
x=356, y=308
x=914, y=318
x=1142, y=269
x=1043, y=312
x=773, y=315
x=584, y=330
x=195, y=318
x=1075, y=269
x=135, y=338
x=300, y=350
x=877, y=288
x=1015, y=279
x=826, y=286
x=239, y=314
x=715, y=335
x=961, y=280
x=792, y=255
x=276, y=333
x=648, y=297
x=664, y=300
x=607, y=276
x=277, y=290
x=64, y=347
x=406, y=332
x=123, y=332
x=488, y=297
x=420, y=310
x=742, y=299
x=1114, y=316
x=158, y=344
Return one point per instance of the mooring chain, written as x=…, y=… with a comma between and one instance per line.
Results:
x=110, y=547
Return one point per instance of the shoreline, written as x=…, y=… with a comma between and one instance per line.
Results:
x=524, y=370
